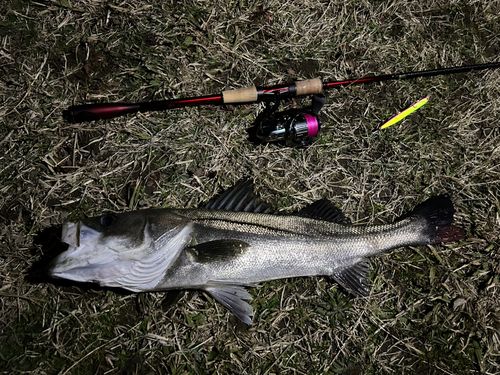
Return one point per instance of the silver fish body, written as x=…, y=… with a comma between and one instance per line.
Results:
x=280, y=246
x=222, y=251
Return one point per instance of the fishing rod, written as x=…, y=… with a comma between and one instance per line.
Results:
x=294, y=125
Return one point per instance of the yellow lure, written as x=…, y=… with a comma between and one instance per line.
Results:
x=406, y=112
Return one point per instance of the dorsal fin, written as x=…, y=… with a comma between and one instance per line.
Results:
x=324, y=210
x=241, y=198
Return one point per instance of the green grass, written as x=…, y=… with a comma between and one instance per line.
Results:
x=431, y=309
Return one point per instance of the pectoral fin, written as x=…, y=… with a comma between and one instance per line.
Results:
x=353, y=278
x=218, y=250
x=232, y=296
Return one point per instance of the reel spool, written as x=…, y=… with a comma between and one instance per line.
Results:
x=294, y=126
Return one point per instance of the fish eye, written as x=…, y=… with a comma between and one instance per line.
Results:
x=107, y=220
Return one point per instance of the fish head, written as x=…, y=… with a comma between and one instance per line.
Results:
x=124, y=250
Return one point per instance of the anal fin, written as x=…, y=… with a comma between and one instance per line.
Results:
x=353, y=277
x=232, y=296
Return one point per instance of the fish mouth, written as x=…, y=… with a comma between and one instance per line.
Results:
x=70, y=263
x=71, y=234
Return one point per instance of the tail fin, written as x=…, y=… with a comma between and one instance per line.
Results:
x=438, y=212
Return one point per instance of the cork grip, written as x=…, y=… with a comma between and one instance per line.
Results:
x=246, y=95
x=310, y=86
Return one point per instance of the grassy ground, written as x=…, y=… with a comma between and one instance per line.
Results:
x=431, y=309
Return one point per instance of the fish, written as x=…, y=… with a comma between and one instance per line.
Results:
x=236, y=242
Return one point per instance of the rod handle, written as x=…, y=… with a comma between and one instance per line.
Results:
x=251, y=94
x=309, y=86
x=245, y=95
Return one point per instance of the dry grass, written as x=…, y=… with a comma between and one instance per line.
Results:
x=431, y=309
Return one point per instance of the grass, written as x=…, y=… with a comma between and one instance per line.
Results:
x=431, y=309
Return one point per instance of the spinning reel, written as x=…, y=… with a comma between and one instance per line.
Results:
x=294, y=126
